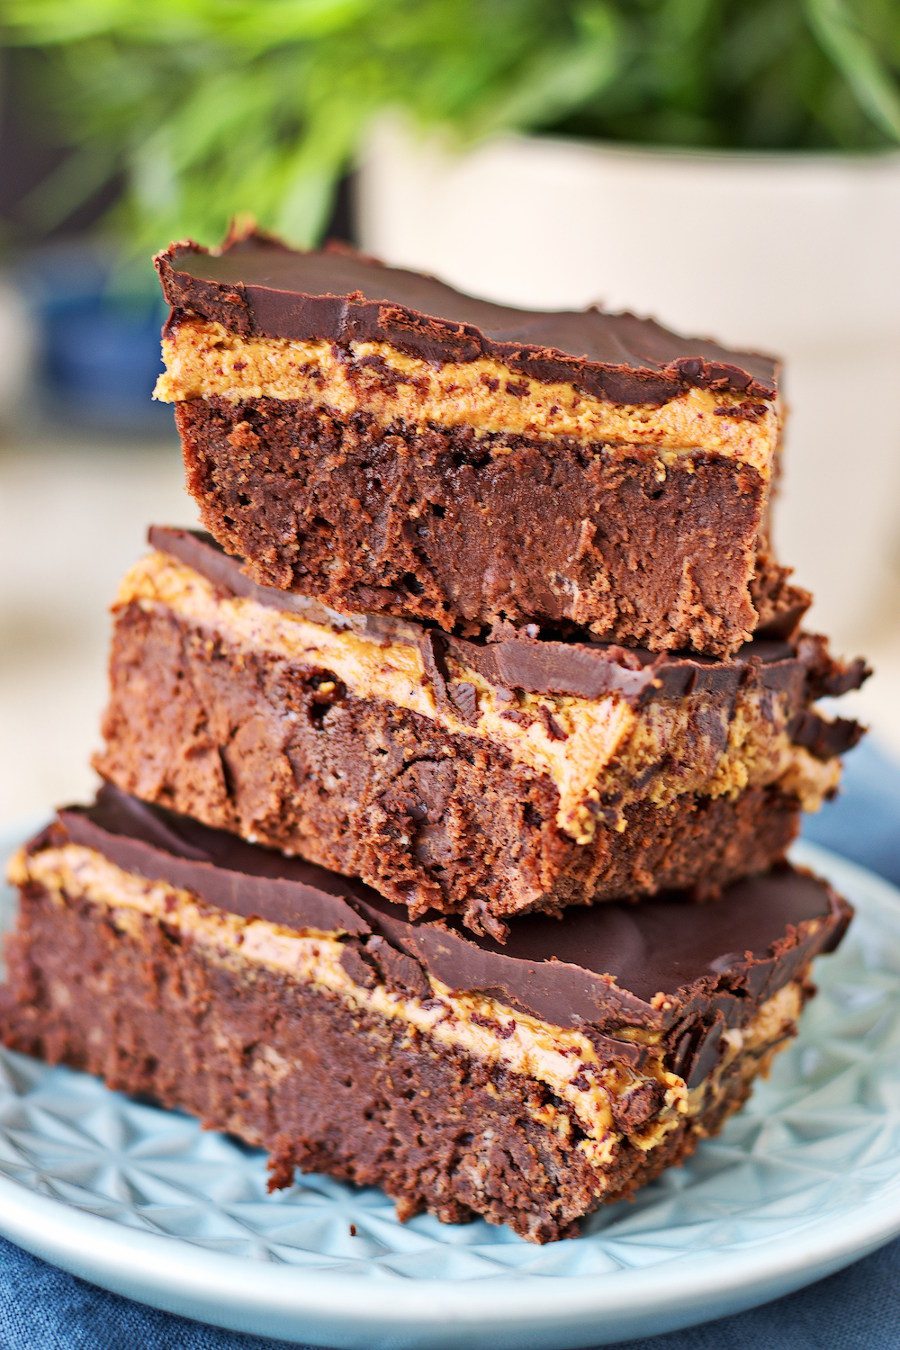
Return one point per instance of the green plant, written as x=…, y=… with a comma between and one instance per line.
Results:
x=209, y=107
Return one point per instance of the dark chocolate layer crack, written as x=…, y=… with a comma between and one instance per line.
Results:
x=652, y=965
x=804, y=669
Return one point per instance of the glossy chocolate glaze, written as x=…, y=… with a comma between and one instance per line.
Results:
x=657, y=964
x=256, y=286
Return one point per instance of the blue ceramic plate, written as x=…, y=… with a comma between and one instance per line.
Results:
x=804, y=1181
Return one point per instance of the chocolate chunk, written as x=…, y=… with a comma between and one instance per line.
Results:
x=361, y=971
x=398, y=971
x=697, y=1051
x=822, y=738
x=551, y=724
x=635, y=1108
x=464, y=698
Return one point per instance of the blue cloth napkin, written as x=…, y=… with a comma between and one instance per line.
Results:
x=42, y=1308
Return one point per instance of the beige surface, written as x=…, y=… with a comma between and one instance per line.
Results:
x=74, y=519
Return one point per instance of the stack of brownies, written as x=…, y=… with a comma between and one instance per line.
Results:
x=487, y=624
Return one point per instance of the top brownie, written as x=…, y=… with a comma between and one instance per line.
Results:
x=372, y=437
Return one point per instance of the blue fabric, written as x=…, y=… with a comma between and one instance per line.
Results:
x=864, y=822
x=42, y=1308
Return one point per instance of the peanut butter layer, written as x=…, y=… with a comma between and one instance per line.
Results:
x=204, y=359
x=601, y=754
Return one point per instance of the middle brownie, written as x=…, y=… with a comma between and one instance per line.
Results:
x=480, y=778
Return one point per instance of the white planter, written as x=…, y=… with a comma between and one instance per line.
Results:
x=797, y=254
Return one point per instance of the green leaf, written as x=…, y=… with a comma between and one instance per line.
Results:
x=210, y=107
x=857, y=58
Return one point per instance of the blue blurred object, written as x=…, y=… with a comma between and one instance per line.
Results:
x=864, y=823
x=98, y=342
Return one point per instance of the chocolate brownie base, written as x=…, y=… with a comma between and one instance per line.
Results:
x=351, y=1096
x=337, y=1052
x=281, y=751
x=469, y=530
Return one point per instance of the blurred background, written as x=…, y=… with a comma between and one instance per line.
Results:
x=732, y=168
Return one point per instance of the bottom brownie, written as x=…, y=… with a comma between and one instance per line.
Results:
x=339, y=1052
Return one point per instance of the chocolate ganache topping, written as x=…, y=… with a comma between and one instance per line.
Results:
x=256, y=286
x=651, y=965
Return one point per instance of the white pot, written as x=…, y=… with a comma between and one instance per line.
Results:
x=797, y=254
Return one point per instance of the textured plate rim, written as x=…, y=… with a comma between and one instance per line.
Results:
x=281, y=1300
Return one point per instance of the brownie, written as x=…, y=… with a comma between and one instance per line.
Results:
x=527, y=1084
x=373, y=438
x=463, y=776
